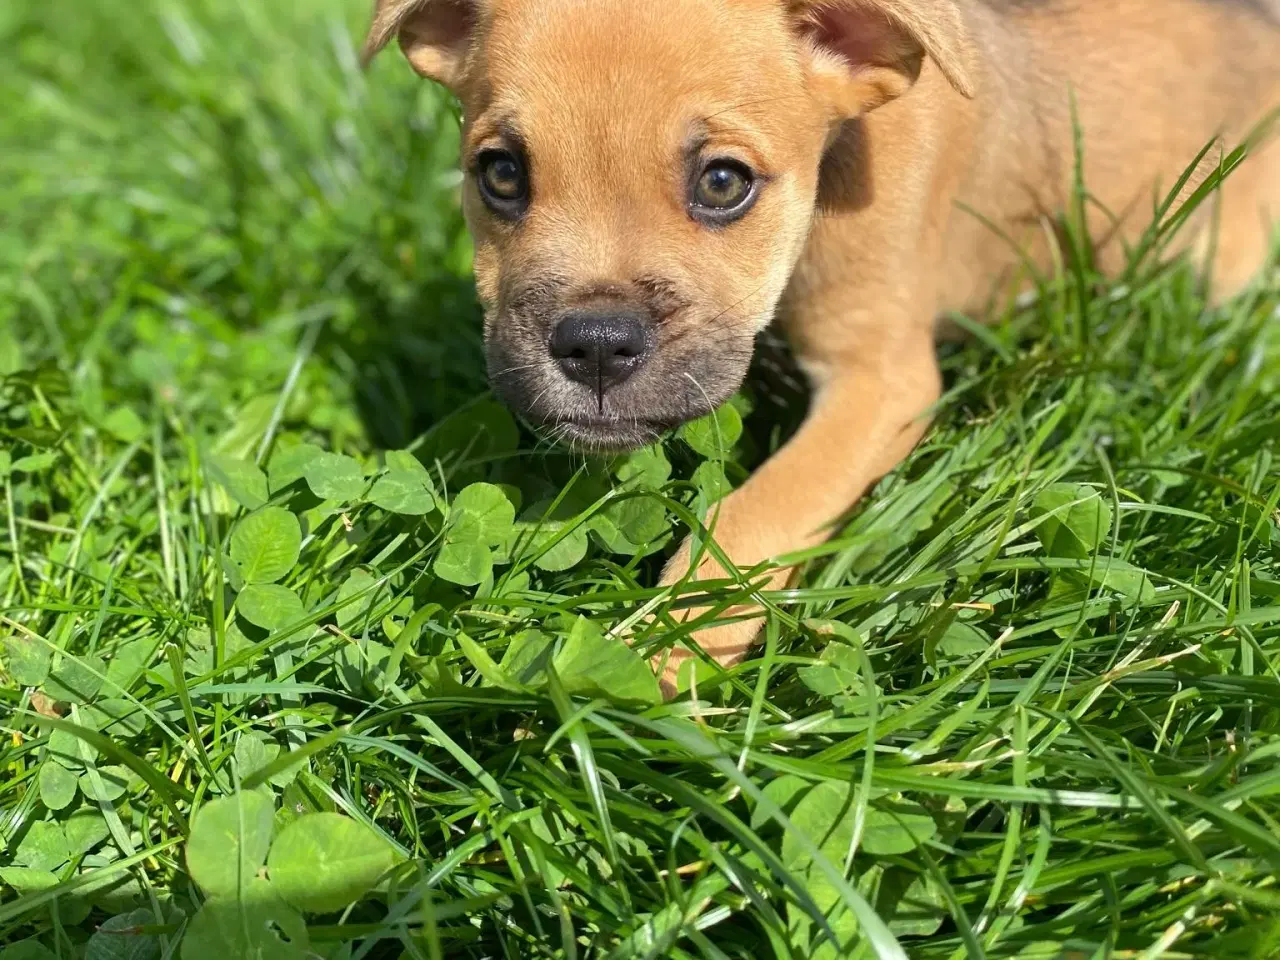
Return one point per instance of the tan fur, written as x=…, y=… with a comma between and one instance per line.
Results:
x=859, y=239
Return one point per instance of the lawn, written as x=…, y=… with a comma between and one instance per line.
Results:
x=307, y=649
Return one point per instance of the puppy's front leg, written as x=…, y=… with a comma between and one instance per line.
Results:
x=870, y=408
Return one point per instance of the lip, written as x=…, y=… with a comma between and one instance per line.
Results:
x=608, y=436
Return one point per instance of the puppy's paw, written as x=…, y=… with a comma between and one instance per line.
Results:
x=727, y=643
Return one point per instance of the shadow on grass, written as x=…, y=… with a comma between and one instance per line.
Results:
x=411, y=361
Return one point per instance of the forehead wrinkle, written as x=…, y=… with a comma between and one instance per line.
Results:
x=724, y=130
x=497, y=125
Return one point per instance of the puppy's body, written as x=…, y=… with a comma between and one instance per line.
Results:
x=651, y=183
x=1153, y=83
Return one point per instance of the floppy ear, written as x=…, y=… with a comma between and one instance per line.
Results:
x=867, y=52
x=434, y=34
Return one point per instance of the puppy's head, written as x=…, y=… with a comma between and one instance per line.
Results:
x=641, y=178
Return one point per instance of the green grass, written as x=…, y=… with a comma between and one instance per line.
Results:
x=1034, y=677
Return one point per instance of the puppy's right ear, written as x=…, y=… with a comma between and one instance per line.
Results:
x=434, y=34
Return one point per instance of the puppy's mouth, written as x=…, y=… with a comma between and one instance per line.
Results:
x=633, y=414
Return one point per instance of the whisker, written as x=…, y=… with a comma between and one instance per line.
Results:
x=701, y=329
x=516, y=369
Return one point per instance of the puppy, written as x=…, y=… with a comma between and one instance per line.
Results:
x=652, y=182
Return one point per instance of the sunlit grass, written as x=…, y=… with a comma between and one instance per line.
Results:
x=1035, y=676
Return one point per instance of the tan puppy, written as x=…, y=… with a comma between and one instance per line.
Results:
x=651, y=182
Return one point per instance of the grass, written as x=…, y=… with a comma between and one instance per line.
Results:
x=1025, y=703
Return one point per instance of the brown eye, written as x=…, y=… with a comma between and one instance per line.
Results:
x=503, y=182
x=723, y=192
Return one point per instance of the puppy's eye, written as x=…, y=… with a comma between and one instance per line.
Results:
x=504, y=185
x=723, y=192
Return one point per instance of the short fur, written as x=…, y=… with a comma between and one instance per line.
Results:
x=871, y=125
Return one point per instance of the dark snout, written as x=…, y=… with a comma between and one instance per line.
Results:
x=601, y=348
x=609, y=367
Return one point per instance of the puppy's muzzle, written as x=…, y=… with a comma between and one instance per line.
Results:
x=601, y=349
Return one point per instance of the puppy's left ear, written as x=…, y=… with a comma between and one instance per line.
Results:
x=865, y=53
x=434, y=34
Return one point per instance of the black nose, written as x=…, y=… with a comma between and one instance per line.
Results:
x=600, y=349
